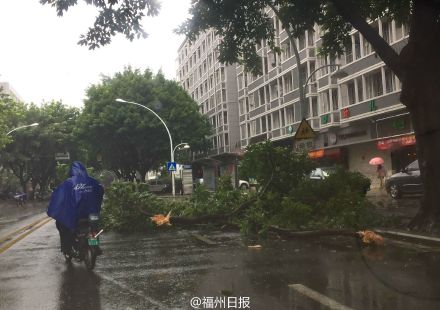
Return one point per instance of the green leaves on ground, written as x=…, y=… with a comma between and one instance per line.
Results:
x=300, y=203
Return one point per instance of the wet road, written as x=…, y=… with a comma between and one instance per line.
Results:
x=13, y=217
x=164, y=270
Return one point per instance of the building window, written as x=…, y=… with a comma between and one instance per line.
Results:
x=282, y=117
x=335, y=103
x=243, y=131
x=348, y=53
x=399, y=30
x=314, y=106
x=390, y=83
x=286, y=50
x=360, y=89
x=324, y=102
x=273, y=90
x=373, y=84
x=241, y=107
x=310, y=38
x=263, y=124
x=225, y=117
x=276, y=120
x=302, y=42
x=351, y=92
x=258, y=126
x=287, y=82
x=290, y=115
x=226, y=139
x=357, y=45
x=386, y=31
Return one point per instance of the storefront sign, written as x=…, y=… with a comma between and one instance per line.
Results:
x=353, y=134
x=330, y=153
x=387, y=144
x=316, y=154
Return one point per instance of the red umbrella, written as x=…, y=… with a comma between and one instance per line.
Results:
x=376, y=161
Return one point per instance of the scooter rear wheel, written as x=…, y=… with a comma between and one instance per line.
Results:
x=90, y=259
x=68, y=257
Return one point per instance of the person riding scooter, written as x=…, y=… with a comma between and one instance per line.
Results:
x=75, y=199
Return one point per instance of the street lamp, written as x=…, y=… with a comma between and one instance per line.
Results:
x=21, y=127
x=169, y=135
x=181, y=146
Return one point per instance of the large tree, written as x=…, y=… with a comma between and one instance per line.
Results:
x=243, y=23
x=130, y=139
x=30, y=155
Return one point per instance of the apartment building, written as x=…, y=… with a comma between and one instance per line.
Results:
x=214, y=86
x=353, y=106
x=7, y=89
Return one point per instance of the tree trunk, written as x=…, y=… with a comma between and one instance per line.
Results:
x=421, y=94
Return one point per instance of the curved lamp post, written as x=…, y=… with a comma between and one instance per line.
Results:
x=21, y=127
x=181, y=146
x=169, y=135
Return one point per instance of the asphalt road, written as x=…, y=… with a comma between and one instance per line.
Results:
x=168, y=268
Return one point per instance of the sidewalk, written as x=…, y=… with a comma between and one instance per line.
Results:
x=403, y=209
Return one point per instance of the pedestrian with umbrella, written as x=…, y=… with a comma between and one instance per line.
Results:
x=381, y=172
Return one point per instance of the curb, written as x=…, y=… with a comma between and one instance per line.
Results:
x=409, y=236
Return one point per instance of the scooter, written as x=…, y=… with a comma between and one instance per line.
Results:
x=86, y=242
x=20, y=198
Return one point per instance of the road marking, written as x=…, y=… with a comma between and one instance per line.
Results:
x=20, y=237
x=135, y=292
x=322, y=299
x=18, y=231
x=412, y=236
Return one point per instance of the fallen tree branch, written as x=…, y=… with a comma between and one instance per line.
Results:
x=311, y=233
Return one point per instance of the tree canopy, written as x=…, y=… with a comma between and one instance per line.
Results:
x=114, y=16
x=30, y=154
x=130, y=139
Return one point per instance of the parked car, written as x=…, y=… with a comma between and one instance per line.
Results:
x=408, y=181
x=242, y=184
x=321, y=173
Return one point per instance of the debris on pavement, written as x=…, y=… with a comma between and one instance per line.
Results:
x=161, y=219
x=371, y=238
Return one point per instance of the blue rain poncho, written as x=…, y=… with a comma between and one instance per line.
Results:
x=76, y=198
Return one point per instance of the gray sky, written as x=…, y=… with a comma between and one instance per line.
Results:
x=41, y=60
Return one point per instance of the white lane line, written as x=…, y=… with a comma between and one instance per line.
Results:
x=322, y=299
x=134, y=292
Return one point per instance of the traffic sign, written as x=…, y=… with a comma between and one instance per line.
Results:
x=304, y=131
x=171, y=166
x=62, y=156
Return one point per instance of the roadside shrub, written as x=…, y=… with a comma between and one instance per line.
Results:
x=223, y=201
x=277, y=166
x=123, y=203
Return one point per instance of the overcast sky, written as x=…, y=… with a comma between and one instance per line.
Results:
x=39, y=56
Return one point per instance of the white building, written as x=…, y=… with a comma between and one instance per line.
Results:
x=356, y=113
x=7, y=89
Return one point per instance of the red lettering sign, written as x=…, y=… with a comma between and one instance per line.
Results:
x=345, y=113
